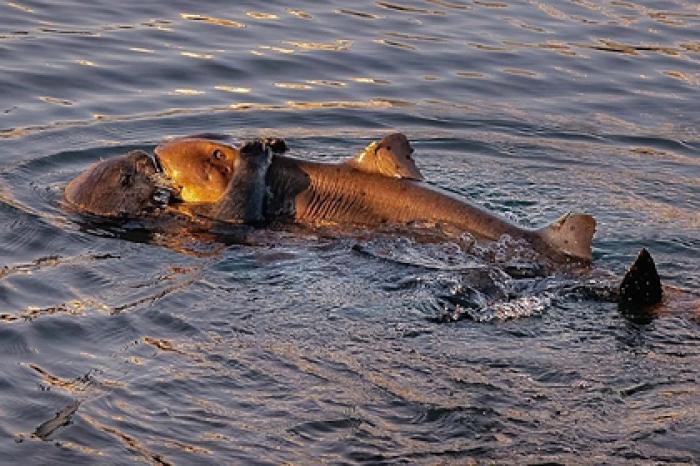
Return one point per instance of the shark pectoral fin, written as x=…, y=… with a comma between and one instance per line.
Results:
x=571, y=235
x=641, y=287
x=389, y=157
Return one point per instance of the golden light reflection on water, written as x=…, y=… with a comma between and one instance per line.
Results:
x=685, y=77
x=558, y=47
x=414, y=37
x=213, y=20
x=129, y=441
x=489, y=48
x=85, y=62
x=291, y=85
x=551, y=11
x=523, y=25
x=448, y=4
x=672, y=18
x=55, y=101
x=67, y=444
x=408, y=9
x=233, y=89
x=238, y=106
x=189, y=92
x=691, y=46
x=141, y=50
x=72, y=308
x=77, y=385
x=187, y=448
x=260, y=15
x=273, y=49
x=471, y=75
x=394, y=43
x=18, y=6
x=368, y=80
x=200, y=56
x=299, y=13
x=372, y=103
x=521, y=72
x=490, y=4
x=611, y=122
x=358, y=14
x=448, y=104
x=335, y=46
x=161, y=344
x=326, y=82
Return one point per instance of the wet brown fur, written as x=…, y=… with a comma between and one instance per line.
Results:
x=118, y=187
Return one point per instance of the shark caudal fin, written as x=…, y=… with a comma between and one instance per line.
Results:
x=641, y=287
x=571, y=235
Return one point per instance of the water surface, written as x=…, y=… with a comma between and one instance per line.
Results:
x=302, y=346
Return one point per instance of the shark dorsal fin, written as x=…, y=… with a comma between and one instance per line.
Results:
x=389, y=157
x=641, y=288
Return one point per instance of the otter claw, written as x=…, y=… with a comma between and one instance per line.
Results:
x=256, y=147
x=276, y=145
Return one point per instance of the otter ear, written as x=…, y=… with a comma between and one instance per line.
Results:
x=382, y=159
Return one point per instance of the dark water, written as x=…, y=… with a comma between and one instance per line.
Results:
x=300, y=346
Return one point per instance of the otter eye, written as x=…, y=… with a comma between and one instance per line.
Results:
x=217, y=155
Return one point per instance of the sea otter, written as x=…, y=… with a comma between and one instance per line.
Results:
x=134, y=185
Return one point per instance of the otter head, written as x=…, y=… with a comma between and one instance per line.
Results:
x=200, y=167
x=125, y=186
x=203, y=166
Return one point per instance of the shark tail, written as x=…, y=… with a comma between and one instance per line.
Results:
x=641, y=286
x=571, y=235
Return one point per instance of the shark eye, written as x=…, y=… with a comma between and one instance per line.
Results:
x=217, y=155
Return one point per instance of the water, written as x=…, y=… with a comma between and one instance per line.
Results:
x=306, y=346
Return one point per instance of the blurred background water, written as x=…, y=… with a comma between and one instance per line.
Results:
x=302, y=346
